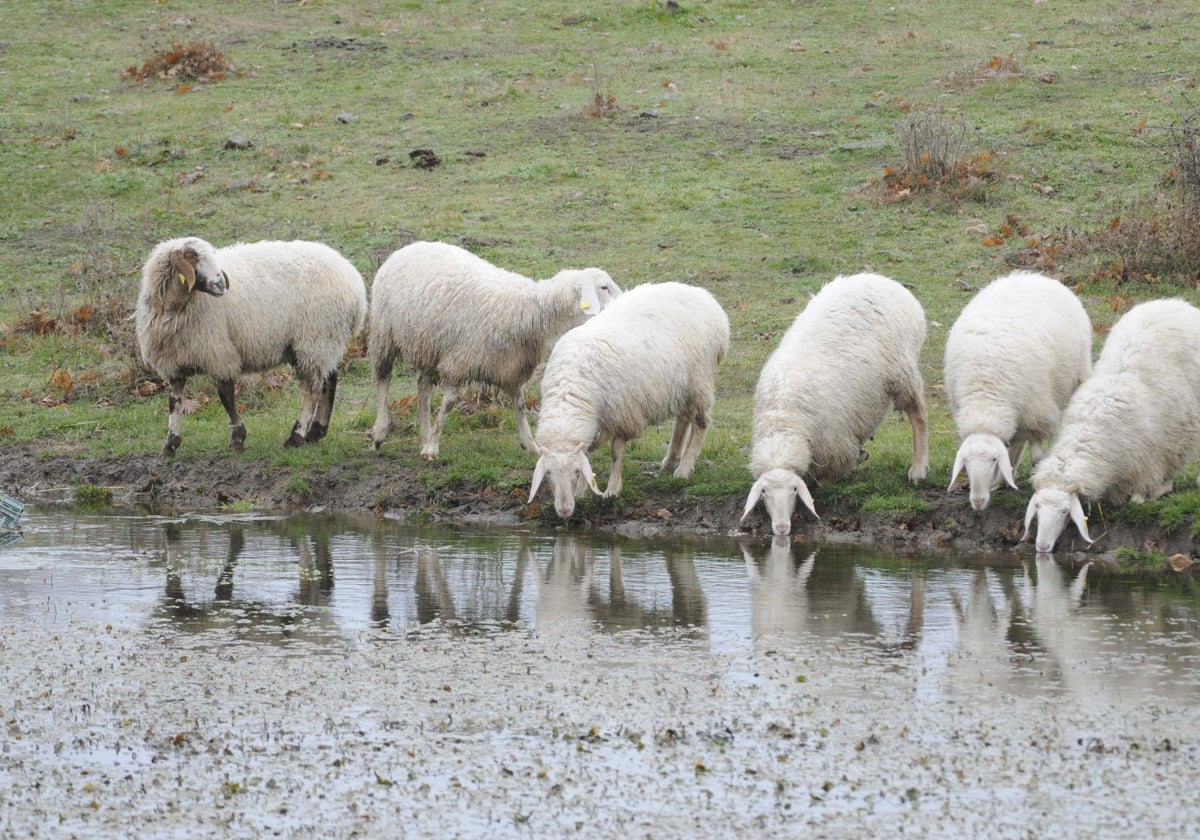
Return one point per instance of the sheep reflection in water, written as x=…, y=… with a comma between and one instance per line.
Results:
x=575, y=583
x=273, y=618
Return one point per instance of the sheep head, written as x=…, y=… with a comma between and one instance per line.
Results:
x=985, y=459
x=1052, y=508
x=570, y=474
x=194, y=264
x=779, y=488
x=596, y=290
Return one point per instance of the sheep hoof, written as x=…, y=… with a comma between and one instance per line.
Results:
x=294, y=440
x=173, y=441
x=317, y=432
x=236, y=446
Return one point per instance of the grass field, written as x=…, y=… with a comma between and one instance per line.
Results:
x=751, y=148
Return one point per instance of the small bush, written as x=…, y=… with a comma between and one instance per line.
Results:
x=937, y=162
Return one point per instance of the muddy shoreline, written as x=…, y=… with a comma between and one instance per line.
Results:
x=35, y=474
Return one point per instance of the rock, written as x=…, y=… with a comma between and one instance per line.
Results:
x=238, y=142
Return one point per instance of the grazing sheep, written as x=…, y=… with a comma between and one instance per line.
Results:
x=1013, y=358
x=1130, y=427
x=457, y=319
x=263, y=304
x=849, y=357
x=649, y=357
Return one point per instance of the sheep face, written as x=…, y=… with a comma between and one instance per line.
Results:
x=1052, y=508
x=985, y=459
x=570, y=475
x=596, y=289
x=779, y=489
x=195, y=265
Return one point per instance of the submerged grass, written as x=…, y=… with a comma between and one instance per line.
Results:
x=728, y=145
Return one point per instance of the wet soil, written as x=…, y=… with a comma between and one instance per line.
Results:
x=39, y=474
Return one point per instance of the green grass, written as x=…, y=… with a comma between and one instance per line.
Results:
x=740, y=155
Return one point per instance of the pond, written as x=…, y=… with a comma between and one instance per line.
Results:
x=200, y=673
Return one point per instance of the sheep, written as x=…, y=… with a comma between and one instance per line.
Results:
x=851, y=355
x=1013, y=358
x=1130, y=427
x=263, y=304
x=650, y=356
x=456, y=319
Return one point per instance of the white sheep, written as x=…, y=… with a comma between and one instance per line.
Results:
x=456, y=319
x=650, y=356
x=245, y=308
x=848, y=358
x=1014, y=356
x=1130, y=427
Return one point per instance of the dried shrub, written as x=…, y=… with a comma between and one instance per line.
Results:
x=109, y=317
x=937, y=163
x=1155, y=240
x=1179, y=142
x=602, y=105
x=996, y=68
x=183, y=63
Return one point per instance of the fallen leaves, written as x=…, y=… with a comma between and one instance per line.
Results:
x=183, y=62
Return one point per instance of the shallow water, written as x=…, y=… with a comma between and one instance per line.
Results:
x=1021, y=624
x=200, y=676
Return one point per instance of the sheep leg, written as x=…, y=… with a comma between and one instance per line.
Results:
x=237, y=431
x=383, y=415
x=429, y=449
x=308, y=410
x=523, y=432
x=1015, y=450
x=614, y=477
x=688, y=463
x=175, y=416
x=424, y=395
x=915, y=409
x=320, y=424
x=678, y=436
x=1036, y=452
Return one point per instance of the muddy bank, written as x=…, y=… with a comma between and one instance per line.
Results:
x=37, y=474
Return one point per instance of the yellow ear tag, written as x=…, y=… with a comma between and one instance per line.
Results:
x=587, y=304
x=182, y=279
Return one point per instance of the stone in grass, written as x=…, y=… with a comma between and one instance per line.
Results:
x=238, y=142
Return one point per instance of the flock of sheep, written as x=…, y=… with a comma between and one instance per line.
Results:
x=1018, y=369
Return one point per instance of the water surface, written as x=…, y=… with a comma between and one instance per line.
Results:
x=1018, y=623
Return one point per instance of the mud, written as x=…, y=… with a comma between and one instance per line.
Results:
x=199, y=483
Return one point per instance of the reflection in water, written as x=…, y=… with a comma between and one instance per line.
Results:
x=950, y=624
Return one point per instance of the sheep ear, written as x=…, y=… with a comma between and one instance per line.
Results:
x=589, y=301
x=579, y=447
x=185, y=271
x=752, y=499
x=1006, y=470
x=802, y=491
x=539, y=472
x=958, y=466
x=1079, y=519
x=586, y=466
x=1030, y=513
x=228, y=285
